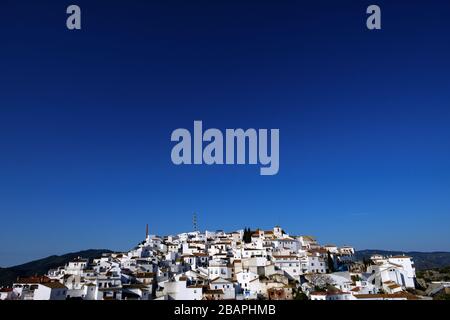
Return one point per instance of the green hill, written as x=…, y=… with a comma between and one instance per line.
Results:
x=41, y=266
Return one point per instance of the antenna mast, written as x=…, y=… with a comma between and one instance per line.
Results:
x=194, y=222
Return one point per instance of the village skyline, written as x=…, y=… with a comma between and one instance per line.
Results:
x=150, y=230
x=241, y=265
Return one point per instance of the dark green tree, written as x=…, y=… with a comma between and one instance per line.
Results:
x=247, y=235
x=299, y=295
x=330, y=262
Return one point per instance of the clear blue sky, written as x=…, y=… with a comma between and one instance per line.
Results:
x=86, y=118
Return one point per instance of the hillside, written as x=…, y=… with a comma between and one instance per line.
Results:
x=422, y=260
x=41, y=266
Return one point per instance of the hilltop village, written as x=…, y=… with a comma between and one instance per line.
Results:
x=240, y=265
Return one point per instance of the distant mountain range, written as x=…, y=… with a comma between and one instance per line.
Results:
x=41, y=266
x=422, y=260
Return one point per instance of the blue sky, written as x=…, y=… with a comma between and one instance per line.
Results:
x=86, y=118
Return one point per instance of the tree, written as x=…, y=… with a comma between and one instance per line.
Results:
x=330, y=262
x=299, y=295
x=247, y=235
x=355, y=278
x=366, y=263
x=444, y=296
x=319, y=281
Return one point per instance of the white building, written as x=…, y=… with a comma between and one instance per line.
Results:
x=220, y=265
x=398, y=269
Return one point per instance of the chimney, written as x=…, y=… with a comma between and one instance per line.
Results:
x=146, y=231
